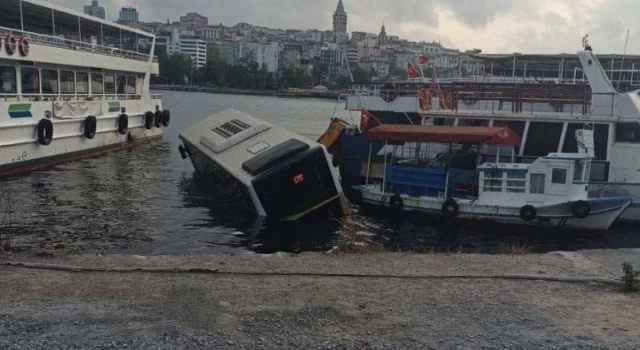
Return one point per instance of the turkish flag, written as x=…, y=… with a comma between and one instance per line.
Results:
x=412, y=70
x=424, y=59
x=364, y=120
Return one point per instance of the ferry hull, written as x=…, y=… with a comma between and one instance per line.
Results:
x=604, y=212
x=22, y=157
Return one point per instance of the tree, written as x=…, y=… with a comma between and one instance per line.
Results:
x=319, y=72
x=174, y=68
x=361, y=76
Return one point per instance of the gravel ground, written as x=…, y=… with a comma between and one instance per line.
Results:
x=57, y=310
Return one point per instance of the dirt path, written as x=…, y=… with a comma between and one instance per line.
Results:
x=57, y=310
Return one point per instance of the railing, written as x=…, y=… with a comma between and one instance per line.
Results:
x=53, y=41
x=70, y=97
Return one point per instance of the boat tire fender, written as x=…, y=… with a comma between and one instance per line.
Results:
x=528, y=213
x=90, y=127
x=450, y=208
x=396, y=202
x=23, y=47
x=183, y=152
x=45, y=132
x=123, y=124
x=158, y=119
x=166, y=117
x=149, y=119
x=581, y=209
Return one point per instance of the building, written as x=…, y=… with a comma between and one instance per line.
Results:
x=94, y=10
x=382, y=37
x=379, y=64
x=129, y=14
x=231, y=52
x=194, y=21
x=212, y=33
x=340, y=19
x=267, y=55
x=196, y=49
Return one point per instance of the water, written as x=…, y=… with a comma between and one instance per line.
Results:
x=146, y=201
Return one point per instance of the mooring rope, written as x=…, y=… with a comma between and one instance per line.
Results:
x=195, y=270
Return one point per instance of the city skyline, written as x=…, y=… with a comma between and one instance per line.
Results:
x=501, y=26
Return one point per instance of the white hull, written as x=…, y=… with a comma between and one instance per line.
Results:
x=604, y=211
x=19, y=148
x=632, y=214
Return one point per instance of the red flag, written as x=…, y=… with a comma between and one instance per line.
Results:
x=364, y=120
x=424, y=59
x=412, y=70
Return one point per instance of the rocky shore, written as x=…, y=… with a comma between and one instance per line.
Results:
x=271, y=310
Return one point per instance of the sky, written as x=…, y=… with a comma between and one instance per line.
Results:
x=495, y=26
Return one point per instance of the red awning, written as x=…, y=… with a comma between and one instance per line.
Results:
x=445, y=134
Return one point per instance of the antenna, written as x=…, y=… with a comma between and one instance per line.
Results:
x=624, y=54
x=585, y=43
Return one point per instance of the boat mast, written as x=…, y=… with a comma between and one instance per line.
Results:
x=624, y=54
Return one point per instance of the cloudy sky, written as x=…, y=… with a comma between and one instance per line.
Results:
x=496, y=26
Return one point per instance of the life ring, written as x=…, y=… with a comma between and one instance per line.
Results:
x=425, y=99
x=123, y=124
x=581, y=209
x=148, y=120
x=166, y=117
x=528, y=213
x=396, y=202
x=23, y=47
x=45, y=132
x=450, y=208
x=446, y=101
x=10, y=44
x=158, y=119
x=90, y=127
x=388, y=93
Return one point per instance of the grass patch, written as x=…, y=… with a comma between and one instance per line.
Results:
x=517, y=249
x=630, y=278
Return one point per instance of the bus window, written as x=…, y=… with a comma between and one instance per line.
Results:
x=122, y=83
x=131, y=85
x=109, y=84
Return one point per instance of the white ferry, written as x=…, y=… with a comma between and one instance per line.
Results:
x=545, y=116
x=282, y=175
x=71, y=86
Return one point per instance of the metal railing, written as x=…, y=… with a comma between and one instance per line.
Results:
x=54, y=41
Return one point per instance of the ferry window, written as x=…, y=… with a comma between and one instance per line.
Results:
x=543, y=138
x=473, y=122
x=444, y=121
x=122, y=83
x=131, y=85
x=67, y=82
x=537, y=183
x=8, y=80
x=97, y=86
x=600, y=135
x=559, y=176
x=49, y=81
x=82, y=83
x=516, y=182
x=492, y=182
x=577, y=174
x=599, y=171
x=109, y=84
x=30, y=81
x=628, y=132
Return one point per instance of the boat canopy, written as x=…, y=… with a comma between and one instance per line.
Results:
x=499, y=136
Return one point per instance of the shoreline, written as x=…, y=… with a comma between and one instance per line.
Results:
x=248, y=92
x=256, y=302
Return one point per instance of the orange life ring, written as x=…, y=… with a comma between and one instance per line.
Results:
x=10, y=44
x=23, y=47
x=425, y=99
x=446, y=100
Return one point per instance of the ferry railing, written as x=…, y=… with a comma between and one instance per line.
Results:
x=54, y=41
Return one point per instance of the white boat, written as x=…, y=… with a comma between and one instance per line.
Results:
x=546, y=117
x=71, y=86
x=551, y=191
x=281, y=174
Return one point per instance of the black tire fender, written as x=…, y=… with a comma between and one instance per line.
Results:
x=158, y=119
x=123, y=124
x=396, y=202
x=149, y=119
x=581, y=209
x=528, y=213
x=166, y=117
x=450, y=208
x=90, y=127
x=44, y=132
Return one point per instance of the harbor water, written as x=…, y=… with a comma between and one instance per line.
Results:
x=146, y=201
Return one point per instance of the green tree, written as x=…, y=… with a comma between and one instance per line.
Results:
x=361, y=76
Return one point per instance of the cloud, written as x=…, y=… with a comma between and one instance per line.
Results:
x=527, y=26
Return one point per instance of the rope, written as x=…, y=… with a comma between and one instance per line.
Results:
x=192, y=270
